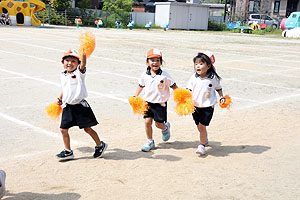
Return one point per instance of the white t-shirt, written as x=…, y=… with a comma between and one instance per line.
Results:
x=204, y=90
x=73, y=86
x=156, y=88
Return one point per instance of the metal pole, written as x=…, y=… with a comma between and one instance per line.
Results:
x=225, y=11
x=49, y=15
x=66, y=21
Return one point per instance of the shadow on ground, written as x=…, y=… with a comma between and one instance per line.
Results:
x=123, y=154
x=30, y=196
x=214, y=149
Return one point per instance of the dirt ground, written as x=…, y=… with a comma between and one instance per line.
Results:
x=253, y=148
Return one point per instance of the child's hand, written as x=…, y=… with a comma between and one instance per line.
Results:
x=59, y=101
x=222, y=100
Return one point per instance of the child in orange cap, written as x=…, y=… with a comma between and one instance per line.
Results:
x=203, y=84
x=156, y=84
x=76, y=110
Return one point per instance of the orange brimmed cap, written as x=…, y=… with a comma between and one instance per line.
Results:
x=72, y=53
x=152, y=53
x=211, y=56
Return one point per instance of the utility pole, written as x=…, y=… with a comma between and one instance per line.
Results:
x=225, y=11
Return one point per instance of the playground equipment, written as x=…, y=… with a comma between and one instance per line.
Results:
x=118, y=23
x=149, y=25
x=99, y=23
x=293, y=21
x=237, y=25
x=22, y=12
x=78, y=21
x=165, y=27
x=282, y=24
x=291, y=33
x=131, y=25
x=231, y=25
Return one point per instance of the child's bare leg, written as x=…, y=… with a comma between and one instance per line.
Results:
x=203, y=133
x=66, y=138
x=148, y=128
x=161, y=126
x=94, y=135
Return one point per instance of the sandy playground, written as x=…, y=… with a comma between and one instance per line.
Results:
x=254, y=148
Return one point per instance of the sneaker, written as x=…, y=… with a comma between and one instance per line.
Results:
x=65, y=155
x=200, y=150
x=99, y=150
x=2, y=183
x=148, y=146
x=166, y=133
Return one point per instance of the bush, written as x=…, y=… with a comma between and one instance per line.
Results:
x=216, y=26
x=55, y=17
x=259, y=32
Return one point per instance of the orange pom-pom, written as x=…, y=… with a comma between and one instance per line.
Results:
x=138, y=105
x=87, y=42
x=181, y=94
x=54, y=110
x=227, y=103
x=185, y=108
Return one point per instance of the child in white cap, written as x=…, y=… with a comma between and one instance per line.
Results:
x=156, y=85
x=203, y=85
x=76, y=110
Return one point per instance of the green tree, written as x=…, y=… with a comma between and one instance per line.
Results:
x=60, y=5
x=84, y=4
x=118, y=8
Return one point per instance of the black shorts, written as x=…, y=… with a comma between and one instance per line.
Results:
x=157, y=112
x=78, y=115
x=203, y=115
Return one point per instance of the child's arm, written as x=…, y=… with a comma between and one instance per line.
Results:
x=174, y=87
x=222, y=99
x=138, y=91
x=83, y=61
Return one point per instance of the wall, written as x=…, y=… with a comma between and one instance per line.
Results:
x=143, y=18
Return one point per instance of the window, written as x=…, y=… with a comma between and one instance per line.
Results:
x=255, y=16
x=268, y=18
x=251, y=6
x=276, y=6
x=254, y=6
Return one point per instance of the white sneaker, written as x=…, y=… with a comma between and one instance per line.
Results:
x=200, y=150
x=2, y=183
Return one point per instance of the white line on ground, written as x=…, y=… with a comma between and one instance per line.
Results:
x=34, y=128
x=269, y=101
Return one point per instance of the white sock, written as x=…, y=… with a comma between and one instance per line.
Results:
x=150, y=140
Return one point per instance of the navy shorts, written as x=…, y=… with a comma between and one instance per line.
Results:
x=203, y=115
x=78, y=115
x=157, y=112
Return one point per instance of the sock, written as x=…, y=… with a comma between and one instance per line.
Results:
x=150, y=140
x=68, y=150
x=100, y=145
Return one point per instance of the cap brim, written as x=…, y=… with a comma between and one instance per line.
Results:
x=70, y=56
x=154, y=56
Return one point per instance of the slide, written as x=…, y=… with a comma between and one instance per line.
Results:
x=39, y=6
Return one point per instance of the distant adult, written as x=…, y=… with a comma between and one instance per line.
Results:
x=7, y=19
x=2, y=18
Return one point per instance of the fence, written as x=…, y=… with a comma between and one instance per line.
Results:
x=142, y=18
